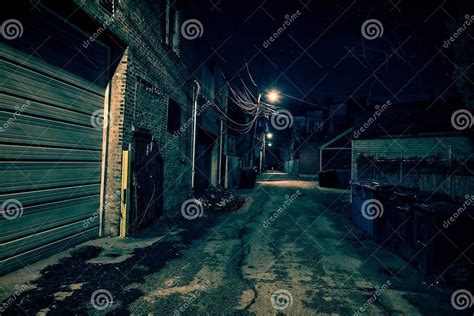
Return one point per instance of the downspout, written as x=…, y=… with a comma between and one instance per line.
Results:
x=193, y=145
x=105, y=145
x=320, y=159
x=221, y=149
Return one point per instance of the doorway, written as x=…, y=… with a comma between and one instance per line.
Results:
x=147, y=182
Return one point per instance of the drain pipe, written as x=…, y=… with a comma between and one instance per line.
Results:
x=193, y=146
x=221, y=153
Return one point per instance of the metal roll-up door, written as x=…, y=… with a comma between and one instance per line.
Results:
x=50, y=158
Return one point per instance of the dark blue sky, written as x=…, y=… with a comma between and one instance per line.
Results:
x=323, y=57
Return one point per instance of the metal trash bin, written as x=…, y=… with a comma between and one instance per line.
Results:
x=379, y=197
x=343, y=178
x=248, y=178
x=358, y=197
x=402, y=222
x=328, y=178
x=444, y=235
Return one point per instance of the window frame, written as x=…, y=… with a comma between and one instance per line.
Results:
x=170, y=24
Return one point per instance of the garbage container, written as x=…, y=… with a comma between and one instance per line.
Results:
x=375, y=208
x=444, y=235
x=343, y=177
x=358, y=196
x=328, y=179
x=402, y=220
x=248, y=178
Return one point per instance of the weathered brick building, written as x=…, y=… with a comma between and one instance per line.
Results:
x=150, y=83
x=98, y=102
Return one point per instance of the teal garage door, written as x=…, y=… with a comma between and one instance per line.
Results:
x=50, y=158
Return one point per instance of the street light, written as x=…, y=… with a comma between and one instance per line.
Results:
x=269, y=144
x=273, y=96
x=269, y=135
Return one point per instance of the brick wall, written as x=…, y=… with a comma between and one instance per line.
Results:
x=149, y=73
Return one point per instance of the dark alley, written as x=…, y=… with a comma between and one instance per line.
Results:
x=237, y=157
x=307, y=257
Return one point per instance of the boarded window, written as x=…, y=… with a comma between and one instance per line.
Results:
x=174, y=116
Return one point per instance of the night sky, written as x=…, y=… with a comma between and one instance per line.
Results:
x=322, y=56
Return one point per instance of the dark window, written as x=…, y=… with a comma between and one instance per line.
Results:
x=108, y=5
x=174, y=116
x=169, y=17
x=231, y=145
x=164, y=19
x=173, y=41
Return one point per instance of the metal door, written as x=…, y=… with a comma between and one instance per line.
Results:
x=147, y=183
x=51, y=110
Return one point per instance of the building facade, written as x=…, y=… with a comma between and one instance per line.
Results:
x=96, y=135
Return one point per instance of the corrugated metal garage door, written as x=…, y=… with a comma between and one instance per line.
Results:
x=50, y=159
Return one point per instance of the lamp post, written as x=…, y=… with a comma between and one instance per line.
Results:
x=272, y=96
x=265, y=136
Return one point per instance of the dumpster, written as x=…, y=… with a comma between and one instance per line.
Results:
x=402, y=221
x=444, y=233
x=358, y=197
x=377, y=203
x=343, y=177
x=248, y=178
x=328, y=179
x=379, y=210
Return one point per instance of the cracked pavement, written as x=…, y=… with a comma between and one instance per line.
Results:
x=292, y=240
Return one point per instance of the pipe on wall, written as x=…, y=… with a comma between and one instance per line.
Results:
x=193, y=145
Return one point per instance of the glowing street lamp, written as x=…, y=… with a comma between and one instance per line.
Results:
x=273, y=96
x=269, y=135
x=269, y=144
